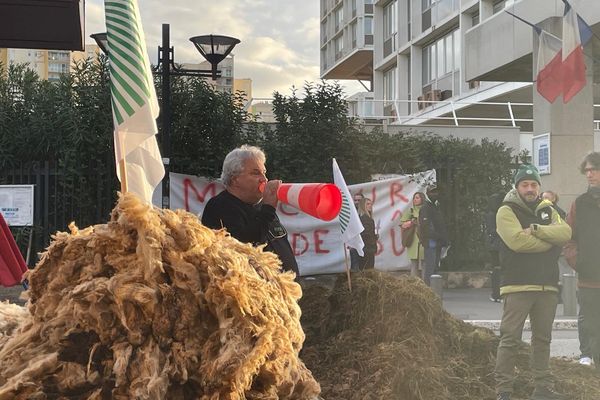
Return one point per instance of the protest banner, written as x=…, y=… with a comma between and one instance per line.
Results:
x=318, y=244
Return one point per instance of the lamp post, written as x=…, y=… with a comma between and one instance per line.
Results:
x=214, y=48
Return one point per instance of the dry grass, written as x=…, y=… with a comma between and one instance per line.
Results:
x=391, y=339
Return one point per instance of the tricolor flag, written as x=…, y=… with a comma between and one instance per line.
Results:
x=134, y=103
x=349, y=220
x=576, y=33
x=549, y=71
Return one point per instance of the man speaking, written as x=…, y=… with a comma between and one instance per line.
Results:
x=246, y=208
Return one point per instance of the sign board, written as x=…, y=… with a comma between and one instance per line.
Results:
x=16, y=204
x=541, y=153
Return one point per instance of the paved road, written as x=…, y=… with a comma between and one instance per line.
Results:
x=474, y=305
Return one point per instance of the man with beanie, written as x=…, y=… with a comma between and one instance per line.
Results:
x=584, y=218
x=532, y=236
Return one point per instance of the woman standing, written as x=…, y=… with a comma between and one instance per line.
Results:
x=369, y=237
x=409, y=224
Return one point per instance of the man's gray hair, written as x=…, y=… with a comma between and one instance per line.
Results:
x=234, y=161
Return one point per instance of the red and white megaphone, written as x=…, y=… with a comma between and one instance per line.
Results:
x=321, y=200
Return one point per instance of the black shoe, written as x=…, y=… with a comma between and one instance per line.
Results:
x=545, y=393
x=503, y=396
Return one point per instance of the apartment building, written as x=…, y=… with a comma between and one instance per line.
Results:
x=225, y=82
x=467, y=62
x=48, y=64
x=347, y=36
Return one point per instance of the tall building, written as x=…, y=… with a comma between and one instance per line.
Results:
x=48, y=64
x=467, y=62
x=347, y=36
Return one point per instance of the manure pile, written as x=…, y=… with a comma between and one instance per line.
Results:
x=391, y=339
x=153, y=305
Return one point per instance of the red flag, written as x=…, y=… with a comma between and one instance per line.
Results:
x=12, y=264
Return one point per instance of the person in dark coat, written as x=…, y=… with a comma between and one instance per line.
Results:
x=369, y=236
x=432, y=233
x=246, y=208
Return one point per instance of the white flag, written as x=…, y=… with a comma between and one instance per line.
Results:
x=134, y=103
x=349, y=220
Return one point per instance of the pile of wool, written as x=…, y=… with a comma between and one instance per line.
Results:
x=11, y=316
x=153, y=305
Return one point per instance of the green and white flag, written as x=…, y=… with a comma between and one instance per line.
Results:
x=134, y=103
x=349, y=220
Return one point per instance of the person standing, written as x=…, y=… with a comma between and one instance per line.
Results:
x=432, y=233
x=246, y=208
x=494, y=243
x=409, y=223
x=553, y=197
x=369, y=236
x=532, y=236
x=585, y=221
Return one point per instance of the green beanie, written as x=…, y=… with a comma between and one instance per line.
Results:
x=527, y=171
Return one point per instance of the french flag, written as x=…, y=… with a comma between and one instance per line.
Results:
x=576, y=33
x=549, y=69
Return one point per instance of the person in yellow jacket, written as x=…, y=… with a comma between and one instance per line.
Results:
x=410, y=219
x=532, y=234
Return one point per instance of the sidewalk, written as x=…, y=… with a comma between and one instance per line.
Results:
x=474, y=306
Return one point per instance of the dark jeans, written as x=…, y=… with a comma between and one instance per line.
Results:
x=496, y=277
x=589, y=300
x=432, y=261
x=354, y=260
x=366, y=262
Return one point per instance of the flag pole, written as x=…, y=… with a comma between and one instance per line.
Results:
x=122, y=165
x=347, y=268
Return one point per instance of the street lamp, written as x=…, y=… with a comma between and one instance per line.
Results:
x=214, y=48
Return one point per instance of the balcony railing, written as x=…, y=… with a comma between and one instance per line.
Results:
x=393, y=114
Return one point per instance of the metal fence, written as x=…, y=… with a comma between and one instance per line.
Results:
x=59, y=199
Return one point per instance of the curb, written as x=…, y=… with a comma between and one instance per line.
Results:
x=558, y=325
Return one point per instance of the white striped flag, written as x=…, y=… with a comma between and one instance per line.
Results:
x=134, y=103
x=349, y=220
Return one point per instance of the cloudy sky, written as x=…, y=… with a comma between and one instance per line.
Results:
x=280, y=38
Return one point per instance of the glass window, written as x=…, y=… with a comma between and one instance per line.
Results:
x=498, y=6
x=440, y=57
x=427, y=62
x=426, y=4
x=353, y=33
x=389, y=84
x=339, y=17
x=456, y=43
x=475, y=19
x=449, y=56
x=390, y=20
x=339, y=44
x=368, y=25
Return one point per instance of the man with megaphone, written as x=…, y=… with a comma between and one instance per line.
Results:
x=246, y=208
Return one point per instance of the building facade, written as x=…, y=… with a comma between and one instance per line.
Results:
x=48, y=64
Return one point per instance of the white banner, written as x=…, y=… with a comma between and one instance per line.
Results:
x=16, y=204
x=318, y=244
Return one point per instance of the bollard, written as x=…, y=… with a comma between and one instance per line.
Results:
x=569, y=295
x=436, y=284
